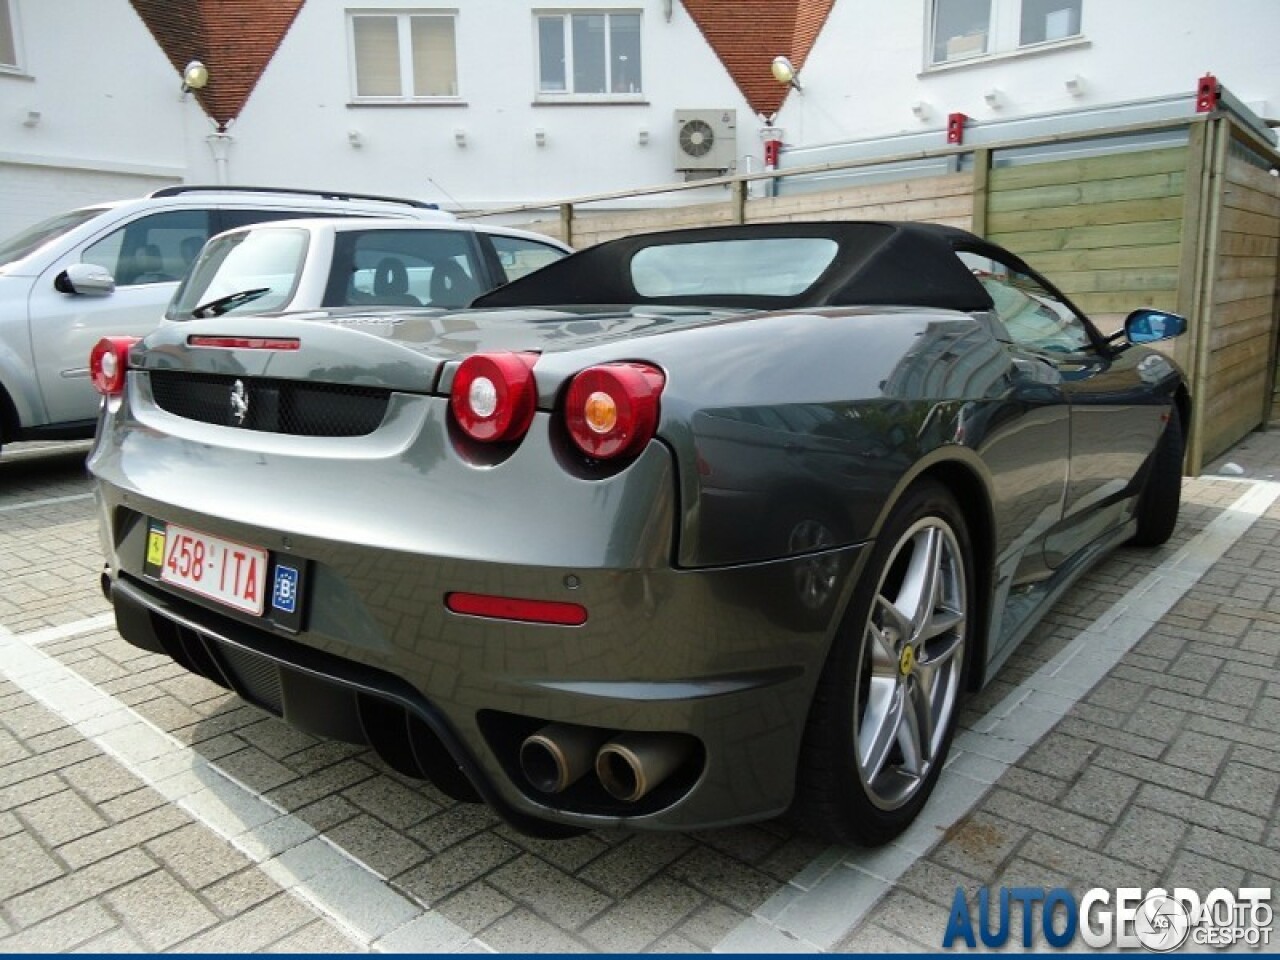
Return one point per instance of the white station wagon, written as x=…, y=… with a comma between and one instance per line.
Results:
x=109, y=269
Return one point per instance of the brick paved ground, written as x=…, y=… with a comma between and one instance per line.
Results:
x=1167, y=771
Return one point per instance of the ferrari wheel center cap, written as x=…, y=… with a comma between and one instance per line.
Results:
x=907, y=660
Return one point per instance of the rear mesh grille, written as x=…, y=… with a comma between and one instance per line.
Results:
x=294, y=407
x=258, y=678
x=254, y=677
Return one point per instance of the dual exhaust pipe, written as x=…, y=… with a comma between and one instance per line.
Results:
x=628, y=765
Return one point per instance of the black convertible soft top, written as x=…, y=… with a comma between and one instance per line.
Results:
x=876, y=264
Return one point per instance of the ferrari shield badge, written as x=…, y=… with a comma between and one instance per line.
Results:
x=239, y=403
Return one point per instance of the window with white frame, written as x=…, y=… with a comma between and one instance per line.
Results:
x=972, y=28
x=589, y=53
x=8, y=37
x=405, y=55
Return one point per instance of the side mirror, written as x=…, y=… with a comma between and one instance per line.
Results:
x=87, y=279
x=1148, y=326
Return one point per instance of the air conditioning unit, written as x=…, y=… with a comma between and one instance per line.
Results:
x=706, y=140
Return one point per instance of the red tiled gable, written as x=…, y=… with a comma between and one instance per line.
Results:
x=747, y=34
x=235, y=39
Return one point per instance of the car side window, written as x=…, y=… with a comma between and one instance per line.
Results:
x=1034, y=317
x=153, y=249
x=520, y=256
x=431, y=268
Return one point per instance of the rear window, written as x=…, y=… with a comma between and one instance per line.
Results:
x=770, y=266
x=267, y=262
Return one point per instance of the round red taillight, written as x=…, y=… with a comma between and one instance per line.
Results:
x=494, y=396
x=108, y=364
x=612, y=409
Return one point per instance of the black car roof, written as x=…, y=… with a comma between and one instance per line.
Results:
x=878, y=263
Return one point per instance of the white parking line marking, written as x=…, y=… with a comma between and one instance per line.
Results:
x=345, y=891
x=49, y=634
x=829, y=898
x=46, y=502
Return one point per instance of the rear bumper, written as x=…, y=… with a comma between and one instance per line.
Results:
x=726, y=658
x=312, y=691
x=459, y=717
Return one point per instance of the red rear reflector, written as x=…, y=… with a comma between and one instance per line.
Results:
x=494, y=396
x=511, y=608
x=612, y=410
x=246, y=343
x=108, y=364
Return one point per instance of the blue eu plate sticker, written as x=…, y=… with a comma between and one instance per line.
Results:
x=284, y=594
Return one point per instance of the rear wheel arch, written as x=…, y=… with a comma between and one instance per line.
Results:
x=842, y=792
x=974, y=501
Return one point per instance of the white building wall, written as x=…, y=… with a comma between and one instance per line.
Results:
x=295, y=128
x=868, y=66
x=93, y=114
x=31, y=192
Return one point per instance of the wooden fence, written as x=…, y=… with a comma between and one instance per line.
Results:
x=1236, y=370
x=1192, y=228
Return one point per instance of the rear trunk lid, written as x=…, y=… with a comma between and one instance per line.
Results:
x=408, y=351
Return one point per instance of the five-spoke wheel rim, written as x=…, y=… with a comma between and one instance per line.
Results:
x=912, y=657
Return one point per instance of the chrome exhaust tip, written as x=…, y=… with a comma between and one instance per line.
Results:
x=632, y=765
x=558, y=755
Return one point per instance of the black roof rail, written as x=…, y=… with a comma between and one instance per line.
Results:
x=182, y=188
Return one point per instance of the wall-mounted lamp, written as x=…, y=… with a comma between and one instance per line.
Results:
x=459, y=136
x=784, y=72
x=922, y=110
x=994, y=98
x=540, y=137
x=195, y=76
x=642, y=136
x=1075, y=85
x=32, y=118
x=355, y=138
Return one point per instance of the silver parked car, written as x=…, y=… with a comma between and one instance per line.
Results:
x=333, y=264
x=110, y=269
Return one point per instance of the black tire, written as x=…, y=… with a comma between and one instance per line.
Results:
x=1161, y=497
x=868, y=791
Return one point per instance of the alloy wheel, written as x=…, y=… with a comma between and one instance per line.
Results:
x=912, y=657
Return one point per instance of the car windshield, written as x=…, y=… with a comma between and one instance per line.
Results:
x=266, y=262
x=26, y=242
x=775, y=267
